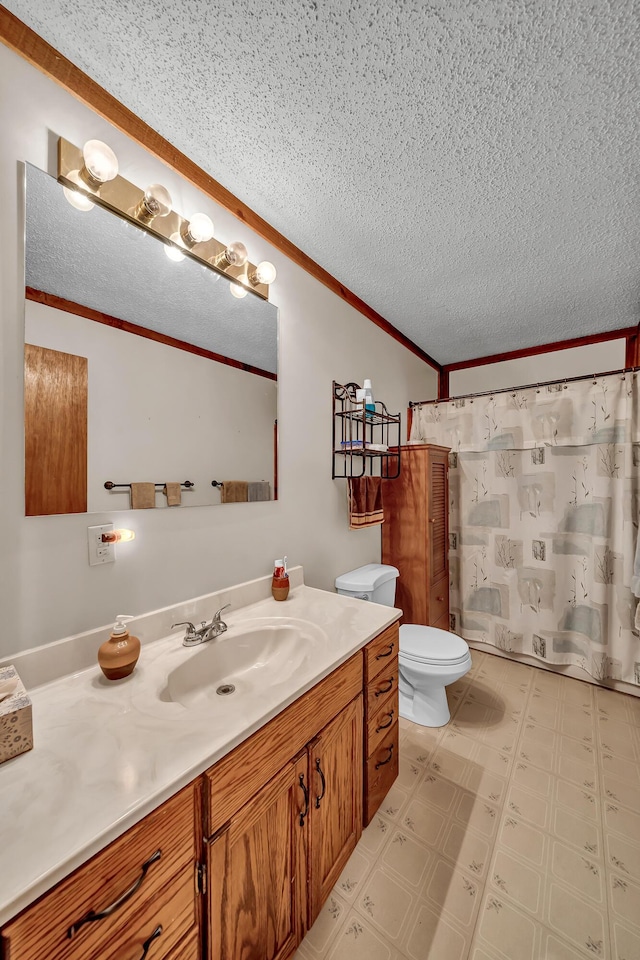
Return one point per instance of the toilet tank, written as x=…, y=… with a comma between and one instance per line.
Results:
x=374, y=581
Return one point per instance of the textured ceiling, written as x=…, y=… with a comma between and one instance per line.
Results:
x=470, y=168
x=97, y=259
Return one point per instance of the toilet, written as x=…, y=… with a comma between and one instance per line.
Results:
x=429, y=660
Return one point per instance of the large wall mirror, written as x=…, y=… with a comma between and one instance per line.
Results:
x=138, y=369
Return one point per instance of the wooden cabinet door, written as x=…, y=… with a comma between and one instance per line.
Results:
x=437, y=533
x=257, y=873
x=335, y=771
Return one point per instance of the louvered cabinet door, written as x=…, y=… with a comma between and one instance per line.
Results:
x=438, y=538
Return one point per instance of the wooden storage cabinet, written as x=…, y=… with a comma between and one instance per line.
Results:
x=143, y=880
x=415, y=535
x=381, y=718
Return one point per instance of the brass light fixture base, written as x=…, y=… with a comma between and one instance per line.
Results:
x=126, y=200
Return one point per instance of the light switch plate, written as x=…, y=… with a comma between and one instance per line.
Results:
x=100, y=552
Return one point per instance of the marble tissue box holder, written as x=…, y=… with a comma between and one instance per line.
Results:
x=16, y=730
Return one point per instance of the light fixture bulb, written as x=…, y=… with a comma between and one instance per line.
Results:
x=265, y=272
x=100, y=162
x=78, y=200
x=238, y=291
x=155, y=203
x=236, y=254
x=199, y=229
x=173, y=252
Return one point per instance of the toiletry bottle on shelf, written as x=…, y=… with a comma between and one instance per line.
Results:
x=369, y=404
x=280, y=581
x=119, y=654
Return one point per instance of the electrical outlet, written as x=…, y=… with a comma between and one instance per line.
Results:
x=100, y=552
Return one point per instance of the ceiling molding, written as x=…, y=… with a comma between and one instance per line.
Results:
x=623, y=334
x=20, y=38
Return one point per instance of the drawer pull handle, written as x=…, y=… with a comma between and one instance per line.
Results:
x=382, y=763
x=439, y=599
x=323, y=781
x=386, y=689
x=154, y=936
x=305, y=791
x=385, y=726
x=388, y=653
x=92, y=916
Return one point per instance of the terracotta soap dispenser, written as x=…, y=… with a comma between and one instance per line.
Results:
x=119, y=654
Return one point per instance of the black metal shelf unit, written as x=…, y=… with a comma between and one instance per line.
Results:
x=365, y=442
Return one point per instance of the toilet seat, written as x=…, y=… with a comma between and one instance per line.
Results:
x=422, y=644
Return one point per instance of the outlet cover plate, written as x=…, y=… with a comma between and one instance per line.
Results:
x=100, y=552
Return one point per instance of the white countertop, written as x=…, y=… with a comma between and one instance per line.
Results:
x=106, y=753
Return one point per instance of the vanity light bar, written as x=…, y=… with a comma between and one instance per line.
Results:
x=130, y=202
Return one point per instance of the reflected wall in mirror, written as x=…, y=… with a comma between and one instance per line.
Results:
x=138, y=369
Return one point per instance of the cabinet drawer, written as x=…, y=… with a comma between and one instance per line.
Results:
x=381, y=772
x=439, y=600
x=159, y=926
x=130, y=864
x=380, y=652
x=380, y=721
x=381, y=686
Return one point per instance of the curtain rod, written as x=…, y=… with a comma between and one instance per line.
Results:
x=525, y=386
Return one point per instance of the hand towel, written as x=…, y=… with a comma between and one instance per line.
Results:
x=258, y=490
x=143, y=496
x=234, y=491
x=173, y=493
x=365, y=502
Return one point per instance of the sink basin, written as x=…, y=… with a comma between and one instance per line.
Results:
x=253, y=656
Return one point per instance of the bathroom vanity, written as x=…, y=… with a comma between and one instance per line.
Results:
x=238, y=861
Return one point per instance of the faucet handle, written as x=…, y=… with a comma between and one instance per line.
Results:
x=216, y=615
x=185, y=623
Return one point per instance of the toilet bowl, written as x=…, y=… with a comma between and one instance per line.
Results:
x=430, y=659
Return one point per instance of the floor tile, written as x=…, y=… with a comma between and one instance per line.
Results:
x=454, y=892
x=435, y=937
x=386, y=903
x=577, y=920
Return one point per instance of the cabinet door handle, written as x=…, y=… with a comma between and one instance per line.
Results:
x=147, y=944
x=305, y=791
x=322, y=780
x=382, y=763
x=440, y=599
x=385, y=726
x=389, y=651
x=386, y=689
x=92, y=916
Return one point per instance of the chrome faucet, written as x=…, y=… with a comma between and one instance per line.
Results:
x=206, y=631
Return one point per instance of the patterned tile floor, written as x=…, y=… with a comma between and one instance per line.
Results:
x=513, y=833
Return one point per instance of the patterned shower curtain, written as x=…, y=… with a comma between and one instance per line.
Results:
x=543, y=515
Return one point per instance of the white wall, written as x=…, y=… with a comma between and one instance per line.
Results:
x=575, y=362
x=47, y=589
x=158, y=413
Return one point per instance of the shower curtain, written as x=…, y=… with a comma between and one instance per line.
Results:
x=543, y=520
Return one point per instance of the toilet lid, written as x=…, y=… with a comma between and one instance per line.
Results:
x=431, y=645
